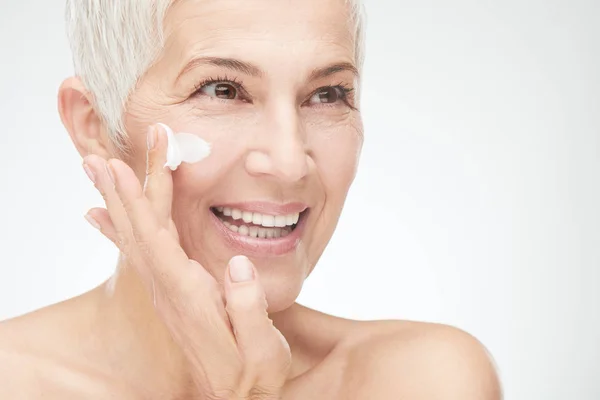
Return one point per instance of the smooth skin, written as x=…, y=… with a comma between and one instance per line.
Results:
x=183, y=318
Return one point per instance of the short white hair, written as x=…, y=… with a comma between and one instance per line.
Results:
x=114, y=42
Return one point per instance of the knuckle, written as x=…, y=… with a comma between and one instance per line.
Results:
x=124, y=242
x=154, y=168
x=127, y=204
x=146, y=242
x=131, y=199
x=102, y=193
x=150, y=164
x=224, y=393
x=145, y=248
x=257, y=392
x=263, y=392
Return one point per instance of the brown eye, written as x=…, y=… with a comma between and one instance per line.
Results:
x=225, y=91
x=326, y=95
x=220, y=90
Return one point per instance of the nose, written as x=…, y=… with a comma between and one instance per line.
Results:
x=280, y=149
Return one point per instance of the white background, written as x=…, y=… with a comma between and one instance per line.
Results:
x=477, y=203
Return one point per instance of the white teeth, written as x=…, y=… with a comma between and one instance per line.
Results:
x=253, y=232
x=230, y=226
x=258, y=232
x=280, y=220
x=268, y=221
x=247, y=216
x=258, y=219
x=236, y=214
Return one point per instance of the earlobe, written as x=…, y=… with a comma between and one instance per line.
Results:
x=81, y=119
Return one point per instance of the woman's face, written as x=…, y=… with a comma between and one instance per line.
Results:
x=271, y=85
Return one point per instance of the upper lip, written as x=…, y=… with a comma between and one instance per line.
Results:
x=265, y=207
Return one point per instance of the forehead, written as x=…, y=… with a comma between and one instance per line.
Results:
x=262, y=31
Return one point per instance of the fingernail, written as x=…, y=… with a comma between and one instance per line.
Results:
x=151, y=137
x=240, y=269
x=110, y=173
x=92, y=221
x=89, y=173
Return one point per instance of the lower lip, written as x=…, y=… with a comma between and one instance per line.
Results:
x=250, y=246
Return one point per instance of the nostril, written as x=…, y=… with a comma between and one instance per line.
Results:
x=292, y=170
x=288, y=166
x=258, y=163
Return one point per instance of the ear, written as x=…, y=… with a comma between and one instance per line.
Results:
x=81, y=120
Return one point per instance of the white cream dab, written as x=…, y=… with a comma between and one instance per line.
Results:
x=184, y=147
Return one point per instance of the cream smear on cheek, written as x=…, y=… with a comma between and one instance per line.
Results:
x=184, y=147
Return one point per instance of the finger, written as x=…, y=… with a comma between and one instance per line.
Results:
x=265, y=352
x=99, y=218
x=95, y=168
x=158, y=187
x=160, y=250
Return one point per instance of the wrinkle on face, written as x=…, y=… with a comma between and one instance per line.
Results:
x=258, y=28
x=286, y=40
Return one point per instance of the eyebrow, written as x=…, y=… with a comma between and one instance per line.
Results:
x=229, y=63
x=320, y=73
x=252, y=70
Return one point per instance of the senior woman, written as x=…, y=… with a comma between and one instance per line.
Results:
x=214, y=254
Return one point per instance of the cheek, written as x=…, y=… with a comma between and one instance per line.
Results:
x=229, y=139
x=336, y=150
x=228, y=133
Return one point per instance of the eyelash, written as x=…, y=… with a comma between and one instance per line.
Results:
x=221, y=79
x=345, y=90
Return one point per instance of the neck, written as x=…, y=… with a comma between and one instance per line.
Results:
x=134, y=339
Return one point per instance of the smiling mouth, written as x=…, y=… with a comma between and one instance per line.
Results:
x=257, y=225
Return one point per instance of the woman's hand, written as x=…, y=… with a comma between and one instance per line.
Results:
x=233, y=348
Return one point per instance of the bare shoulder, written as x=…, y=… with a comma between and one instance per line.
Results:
x=16, y=375
x=22, y=365
x=413, y=360
x=390, y=360
x=33, y=364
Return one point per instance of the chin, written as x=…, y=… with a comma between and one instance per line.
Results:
x=281, y=295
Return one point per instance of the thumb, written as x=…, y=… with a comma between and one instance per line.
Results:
x=264, y=350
